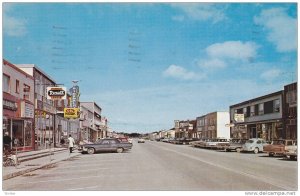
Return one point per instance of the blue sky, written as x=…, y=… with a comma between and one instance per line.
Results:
x=148, y=64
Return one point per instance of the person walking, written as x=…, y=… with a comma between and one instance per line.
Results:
x=71, y=143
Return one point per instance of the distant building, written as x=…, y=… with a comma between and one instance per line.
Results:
x=213, y=125
x=94, y=131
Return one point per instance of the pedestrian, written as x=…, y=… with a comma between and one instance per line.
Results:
x=71, y=143
x=62, y=141
x=6, y=142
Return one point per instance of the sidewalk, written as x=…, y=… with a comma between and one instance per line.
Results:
x=34, y=160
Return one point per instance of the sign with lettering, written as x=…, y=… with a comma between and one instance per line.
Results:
x=27, y=110
x=71, y=112
x=239, y=117
x=10, y=105
x=56, y=93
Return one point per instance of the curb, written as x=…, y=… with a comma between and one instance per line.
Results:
x=18, y=173
x=38, y=155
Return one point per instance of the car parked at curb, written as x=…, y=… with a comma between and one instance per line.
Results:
x=106, y=145
x=291, y=153
x=234, y=145
x=213, y=143
x=254, y=145
x=278, y=147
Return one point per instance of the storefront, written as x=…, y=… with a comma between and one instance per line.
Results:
x=18, y=122
x=266, y=130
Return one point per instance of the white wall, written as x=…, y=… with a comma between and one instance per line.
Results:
x=223, y=119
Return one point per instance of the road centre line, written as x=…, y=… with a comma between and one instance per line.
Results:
x=261, y=178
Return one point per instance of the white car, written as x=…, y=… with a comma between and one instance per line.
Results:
x=255, y=145
x=141, y=140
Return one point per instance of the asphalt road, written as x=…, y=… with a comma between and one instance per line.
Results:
x=157, y=166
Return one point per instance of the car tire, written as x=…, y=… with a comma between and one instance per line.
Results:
x=271, y=154
x=256, y=150
x=91, y=151
x=120, y=150
x=238, y=150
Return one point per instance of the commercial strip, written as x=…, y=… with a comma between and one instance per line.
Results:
x=37, y=121
x=271, y=116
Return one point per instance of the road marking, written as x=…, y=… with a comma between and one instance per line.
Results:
x=256, y=177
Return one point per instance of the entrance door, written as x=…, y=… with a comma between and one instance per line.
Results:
x=253, y=132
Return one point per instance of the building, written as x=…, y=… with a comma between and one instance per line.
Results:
x=260, y=117
x=213, y=125
x=94, y=130
x=45, y=109
x=86, y=123
x=290, y=111
x=18, y=105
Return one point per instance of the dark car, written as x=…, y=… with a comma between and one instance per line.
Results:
x=106, y=145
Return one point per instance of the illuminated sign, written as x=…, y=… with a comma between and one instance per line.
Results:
x=71, y=112
x=56, y=93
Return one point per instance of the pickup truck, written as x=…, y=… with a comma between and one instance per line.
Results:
x=279, y=147
x=106, y=145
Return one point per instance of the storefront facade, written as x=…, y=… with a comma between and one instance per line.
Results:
x=18, y=107
x=258, y=118
x=45, y=109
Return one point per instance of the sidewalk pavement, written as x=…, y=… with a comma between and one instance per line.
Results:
x=33, y=160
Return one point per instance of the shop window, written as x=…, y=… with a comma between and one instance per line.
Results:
x=261, y=109
x=268, y=107
x=276, y=105
x=6, y=83
x=252, y=110
x=17, y=86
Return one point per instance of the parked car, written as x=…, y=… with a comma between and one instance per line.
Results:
x=165, y=140
x=234, y=145
x=141, y=140
x=213, y=143
x=185, y=141
x=291, y=153
x=278, y=147
x=254, y=145
x=201, y=143
x=106, y=145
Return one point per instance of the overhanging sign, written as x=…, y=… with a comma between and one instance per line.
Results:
x=239, y=117
x=56, y=93
x=71, y=112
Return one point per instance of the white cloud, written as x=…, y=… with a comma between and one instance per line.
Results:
x=220, y=55
x=212, y=63
x=13, y=26
x=178, y=72
x=271, y=74
x=202, y=11
x=232, y=50
x=282, y=29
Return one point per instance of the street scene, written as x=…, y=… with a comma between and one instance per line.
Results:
x=161, y=166
x=159, y=96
